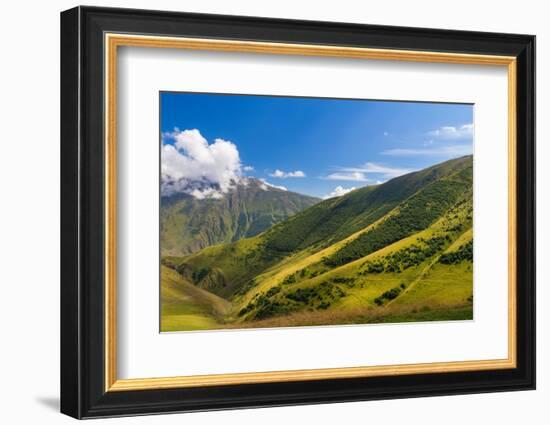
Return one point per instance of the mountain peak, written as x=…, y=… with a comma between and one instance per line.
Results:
x=205, y=189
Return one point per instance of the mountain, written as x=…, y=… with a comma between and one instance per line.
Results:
x=189, y=224
x=398, y=251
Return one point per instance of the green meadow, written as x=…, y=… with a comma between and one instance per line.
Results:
x=401, y=251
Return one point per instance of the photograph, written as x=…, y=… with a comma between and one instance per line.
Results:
x=280, y=211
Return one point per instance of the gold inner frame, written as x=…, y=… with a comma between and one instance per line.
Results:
x=113, y=41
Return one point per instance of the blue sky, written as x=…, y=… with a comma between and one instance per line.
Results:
x=308, y=145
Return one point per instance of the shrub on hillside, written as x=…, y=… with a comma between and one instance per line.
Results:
x=199, y=274
x=389, y=294
x=464, y=253
x=416, y=214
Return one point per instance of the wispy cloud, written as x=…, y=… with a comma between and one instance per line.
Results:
x=285, y=175
x=362, y=172
x=454, y=150
x=373, y=168
x=338, y=191
x=348, y=176
x=248, y=168
x=464, y=132
x=440, y=143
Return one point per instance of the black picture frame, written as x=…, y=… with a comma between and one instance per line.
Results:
x=82, y=212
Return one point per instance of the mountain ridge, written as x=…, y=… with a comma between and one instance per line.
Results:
x=189, y=224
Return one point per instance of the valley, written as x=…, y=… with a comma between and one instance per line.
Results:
x=399, y=251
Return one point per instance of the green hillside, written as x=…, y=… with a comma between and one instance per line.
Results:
x=188, y=224
x=337, y=218
x=184, y=306
x=400, y=251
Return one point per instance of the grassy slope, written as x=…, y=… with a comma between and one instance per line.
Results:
x=337, y=218
x=186, y=307
x=443, y=285
x=234, y=266
x=307, y=258
x=227, y=268
x=415, y=213
x=246, y=270
x=294, y=263
x=442, y=293
x=430, y=286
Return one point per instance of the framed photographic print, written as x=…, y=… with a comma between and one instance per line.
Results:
x=261, y=212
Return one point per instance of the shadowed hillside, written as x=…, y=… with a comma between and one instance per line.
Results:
x=188, y=224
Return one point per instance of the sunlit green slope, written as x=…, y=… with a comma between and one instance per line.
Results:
x=186, y=307
x=428, y=271
x=399, y=251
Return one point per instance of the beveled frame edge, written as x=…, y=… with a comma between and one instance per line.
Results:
x=114, y=40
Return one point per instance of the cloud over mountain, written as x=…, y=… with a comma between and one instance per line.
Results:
x=266, y=185
x=191, y=165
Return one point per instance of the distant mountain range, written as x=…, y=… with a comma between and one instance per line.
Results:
x=189, y=223
x=399, y=251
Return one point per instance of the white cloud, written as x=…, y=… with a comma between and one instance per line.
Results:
x=436, y=146
x=285, y=175
x=455, y=150
x=360, y=174
x=278, y=174
x=464, y=132
x=355, y=176
x=373, y=168
x=266, y=185
x=192, y=165
x=207, y=192
x=338, y=191
x=248, y=168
